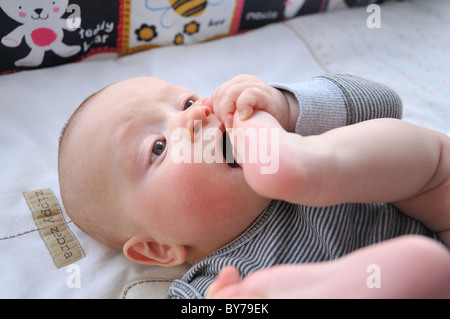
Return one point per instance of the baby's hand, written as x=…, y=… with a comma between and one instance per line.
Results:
x=282, y=281
x=245, y=93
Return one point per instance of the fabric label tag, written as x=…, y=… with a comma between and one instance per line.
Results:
x=60, y=241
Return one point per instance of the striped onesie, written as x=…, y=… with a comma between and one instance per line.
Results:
x=291, y=233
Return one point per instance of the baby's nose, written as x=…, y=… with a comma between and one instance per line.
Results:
x=198, y=111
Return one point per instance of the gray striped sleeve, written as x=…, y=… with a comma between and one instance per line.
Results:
x=330, y=101
x=366, y=99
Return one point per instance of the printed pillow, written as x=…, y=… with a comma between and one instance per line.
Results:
x=44, y=33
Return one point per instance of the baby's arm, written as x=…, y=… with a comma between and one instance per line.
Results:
x=330, y=101
x=311, y=107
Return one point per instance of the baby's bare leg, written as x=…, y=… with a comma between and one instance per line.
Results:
x=405, y=267
x=384, y=160
x=434, y=199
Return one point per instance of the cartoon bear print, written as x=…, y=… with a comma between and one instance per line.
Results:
x=42, y=27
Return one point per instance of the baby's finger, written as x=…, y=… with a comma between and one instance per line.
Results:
x=250, y=99
x=225, y=96
x=223, y=112
x=223, y=108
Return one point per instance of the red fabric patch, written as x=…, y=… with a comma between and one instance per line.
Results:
x=43, y=36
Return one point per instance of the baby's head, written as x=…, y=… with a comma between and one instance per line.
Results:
x=131, y=176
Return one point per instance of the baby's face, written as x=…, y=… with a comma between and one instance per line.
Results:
x=157, y=149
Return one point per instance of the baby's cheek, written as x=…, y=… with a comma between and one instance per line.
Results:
x=195, y=191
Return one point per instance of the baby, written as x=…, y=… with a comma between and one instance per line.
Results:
x=131, y=178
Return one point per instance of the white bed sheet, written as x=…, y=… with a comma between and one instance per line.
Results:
x=409, y=53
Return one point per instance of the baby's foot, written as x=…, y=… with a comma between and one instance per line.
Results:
x=269, y=156
x=404, y=267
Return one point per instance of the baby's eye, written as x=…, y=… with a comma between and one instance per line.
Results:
x=188, y=104
x=158, y=149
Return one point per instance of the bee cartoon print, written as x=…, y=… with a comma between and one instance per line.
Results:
x=41, y=27
x=174, y=12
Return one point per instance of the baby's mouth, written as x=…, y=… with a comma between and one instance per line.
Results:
x=227, y=151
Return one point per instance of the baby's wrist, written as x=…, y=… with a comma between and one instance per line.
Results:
x=292, y=110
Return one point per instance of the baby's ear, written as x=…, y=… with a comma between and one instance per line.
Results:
x=150, y=252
